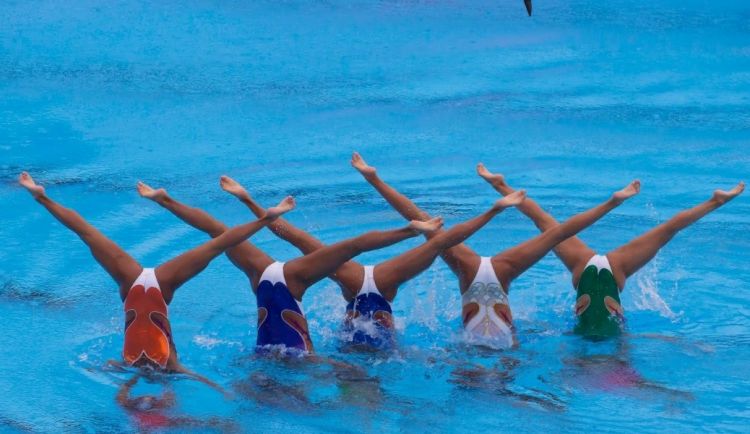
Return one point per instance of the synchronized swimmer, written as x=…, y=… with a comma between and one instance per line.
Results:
x=369, y=290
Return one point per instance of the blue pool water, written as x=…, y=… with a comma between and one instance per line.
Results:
x=570, y=104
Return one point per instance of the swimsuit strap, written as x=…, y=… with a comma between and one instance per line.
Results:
x=601, y=262
x=369, y=269
x=274, y=273
x=147, y=279
x=368, y=282
x=485, y=272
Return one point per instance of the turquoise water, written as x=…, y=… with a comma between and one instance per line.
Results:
x=570, y=104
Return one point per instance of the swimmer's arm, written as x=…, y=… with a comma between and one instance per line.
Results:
x=343, y=370
x=114, y=365
x=123, y=395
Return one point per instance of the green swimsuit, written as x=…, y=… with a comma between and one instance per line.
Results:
x=598, y=300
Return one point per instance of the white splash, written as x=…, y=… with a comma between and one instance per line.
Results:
x=208, y=342
x=647, y=296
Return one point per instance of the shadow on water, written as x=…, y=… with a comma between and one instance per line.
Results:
x=306, y=384
x=13, y=292
x=12, y=425
x=496, y=382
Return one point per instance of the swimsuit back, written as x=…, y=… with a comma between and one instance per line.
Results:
x=281, y=321
x=146, y=335
x=598, y=309
x=492, y=321
x=369, y=317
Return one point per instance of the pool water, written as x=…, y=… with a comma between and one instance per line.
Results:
x=570, y=104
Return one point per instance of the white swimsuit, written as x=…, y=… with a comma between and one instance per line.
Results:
x=485, y=291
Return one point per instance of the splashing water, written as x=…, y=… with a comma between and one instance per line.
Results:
x=647, y=297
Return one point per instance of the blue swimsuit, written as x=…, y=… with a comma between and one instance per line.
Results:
x=369, y=317
x=280, y=317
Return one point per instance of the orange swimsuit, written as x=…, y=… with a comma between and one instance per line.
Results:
x=147, y=335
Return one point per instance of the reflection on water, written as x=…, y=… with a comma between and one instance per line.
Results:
x=157, y=412
x=612, y=371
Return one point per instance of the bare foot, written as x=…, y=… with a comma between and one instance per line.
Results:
x=495, y=179
x=723, y=196
x=626, y=193
x=427, y=227
x=233, y=187
x=28, y=183
x=285, y=205
x=514, y=199
x=360, y=164
x=146, y=191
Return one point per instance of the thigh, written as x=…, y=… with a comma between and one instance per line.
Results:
x=574, y=254
x=513, y=262
x=629, y=258
x=250, y=259
x=578, y=255
x=349, y=277
x=464, y=263
x=116, y=261
x=391, y=274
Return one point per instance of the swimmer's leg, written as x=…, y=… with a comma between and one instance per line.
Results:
x=349, y=276
x=511, y=263
x=173, y=273
x=245, y=256
x=573, y=252
x=305, y=271
x=460, y=258
x=629, y=258
x=123, y=268
x=391, y=274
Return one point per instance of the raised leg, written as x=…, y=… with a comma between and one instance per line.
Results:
x=349, y=275
x=512, y=262
x=305, y=271
x=460, y=258
x=173, y=273
x=245, y=256
x=629, y=258
x=573, y=252
x=390, y=274
x=123, y=268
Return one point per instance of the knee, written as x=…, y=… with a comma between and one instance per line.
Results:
x=440, y=241
x=217, y=231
